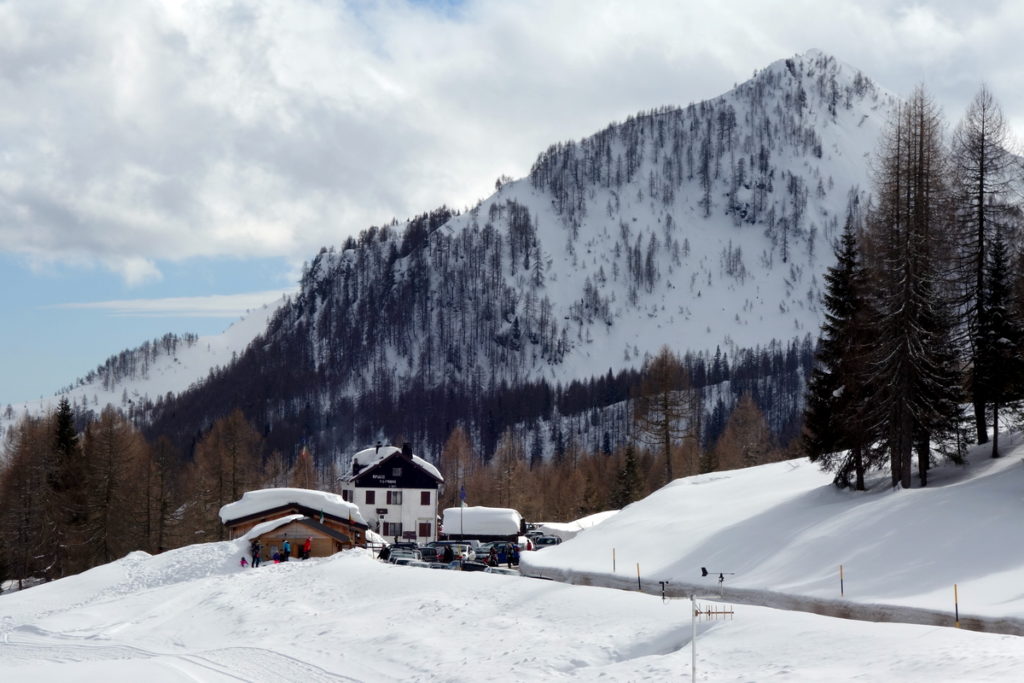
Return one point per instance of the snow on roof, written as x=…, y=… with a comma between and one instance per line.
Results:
x=481, y=520
x=371, y=456
x=270, y=525
x=253, y=502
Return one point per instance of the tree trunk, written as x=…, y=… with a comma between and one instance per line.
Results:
x=858, y=467
x=995, y=429
x=922, y=459
x=979, y=421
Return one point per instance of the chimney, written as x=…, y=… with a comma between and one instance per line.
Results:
x=407, y=451
x=377, y=450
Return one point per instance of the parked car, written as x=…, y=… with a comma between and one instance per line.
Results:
x=502, y=570
x=545, y=542
x=463, y=551
x=471, y=566
x=404, y=554
x=408, y=545
x=430, y=553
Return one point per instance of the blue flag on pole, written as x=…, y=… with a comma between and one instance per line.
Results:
x=462, y=493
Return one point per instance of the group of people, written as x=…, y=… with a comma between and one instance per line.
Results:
x=282, y=555
x=511, y=555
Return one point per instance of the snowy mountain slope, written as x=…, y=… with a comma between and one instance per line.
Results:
x=699, y=227
x=194, y=614
x=638, y=248
x=748, y=269
x=152, y=371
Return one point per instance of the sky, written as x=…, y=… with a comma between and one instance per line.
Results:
x=166, y=166
x=777, y=533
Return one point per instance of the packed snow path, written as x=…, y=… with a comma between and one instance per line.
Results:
x=826, y=607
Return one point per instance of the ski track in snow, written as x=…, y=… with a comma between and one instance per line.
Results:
x=28, y=644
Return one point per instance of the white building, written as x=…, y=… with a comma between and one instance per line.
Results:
x=396, y=492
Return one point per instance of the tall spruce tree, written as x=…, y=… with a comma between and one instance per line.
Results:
x=628, y=486
x=836, y=433
x=65, y=510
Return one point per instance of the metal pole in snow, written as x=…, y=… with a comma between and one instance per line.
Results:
x=613, y=560
x=693, y=637
x=638, y=586
x=956, y=605
x=841, y=593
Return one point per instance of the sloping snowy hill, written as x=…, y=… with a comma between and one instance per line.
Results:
x=784, y=528
x=194, y=614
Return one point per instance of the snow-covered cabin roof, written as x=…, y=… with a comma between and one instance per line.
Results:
x=253, y=502
x=369, y=457
x=481, y=520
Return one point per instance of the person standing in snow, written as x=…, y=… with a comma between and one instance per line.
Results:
x=286, y=550
x=254, y=551
x=449, y=554
x=243, y=563
x=306, y=547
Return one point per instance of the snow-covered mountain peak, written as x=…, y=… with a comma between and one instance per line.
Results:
x=700, y=227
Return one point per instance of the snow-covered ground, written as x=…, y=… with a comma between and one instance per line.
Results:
x=194, y=615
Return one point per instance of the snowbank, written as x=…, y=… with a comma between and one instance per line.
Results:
x=568, y=530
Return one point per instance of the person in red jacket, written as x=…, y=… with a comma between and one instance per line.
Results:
x=306, y=547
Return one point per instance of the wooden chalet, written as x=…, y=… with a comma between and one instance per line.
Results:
x=330, y=532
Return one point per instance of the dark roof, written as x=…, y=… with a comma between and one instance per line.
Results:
x=416, y=477
x=303, y=509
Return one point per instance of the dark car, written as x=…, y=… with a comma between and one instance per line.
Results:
x=473, y=566
x=430, y=553
x=545, y=542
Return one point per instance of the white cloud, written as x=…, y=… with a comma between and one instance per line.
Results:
x=140, y=132
x=211, y=306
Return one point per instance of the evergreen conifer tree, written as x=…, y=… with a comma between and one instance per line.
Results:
x=835, y=431
x=1002, y=371
x=627, y=485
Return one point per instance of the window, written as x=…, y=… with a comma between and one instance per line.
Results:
x=424, y=500
x=424, y=530
x=370, y=497
x=394, y=497
x=396, y=472
x=393, y=529
x=346, y=495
